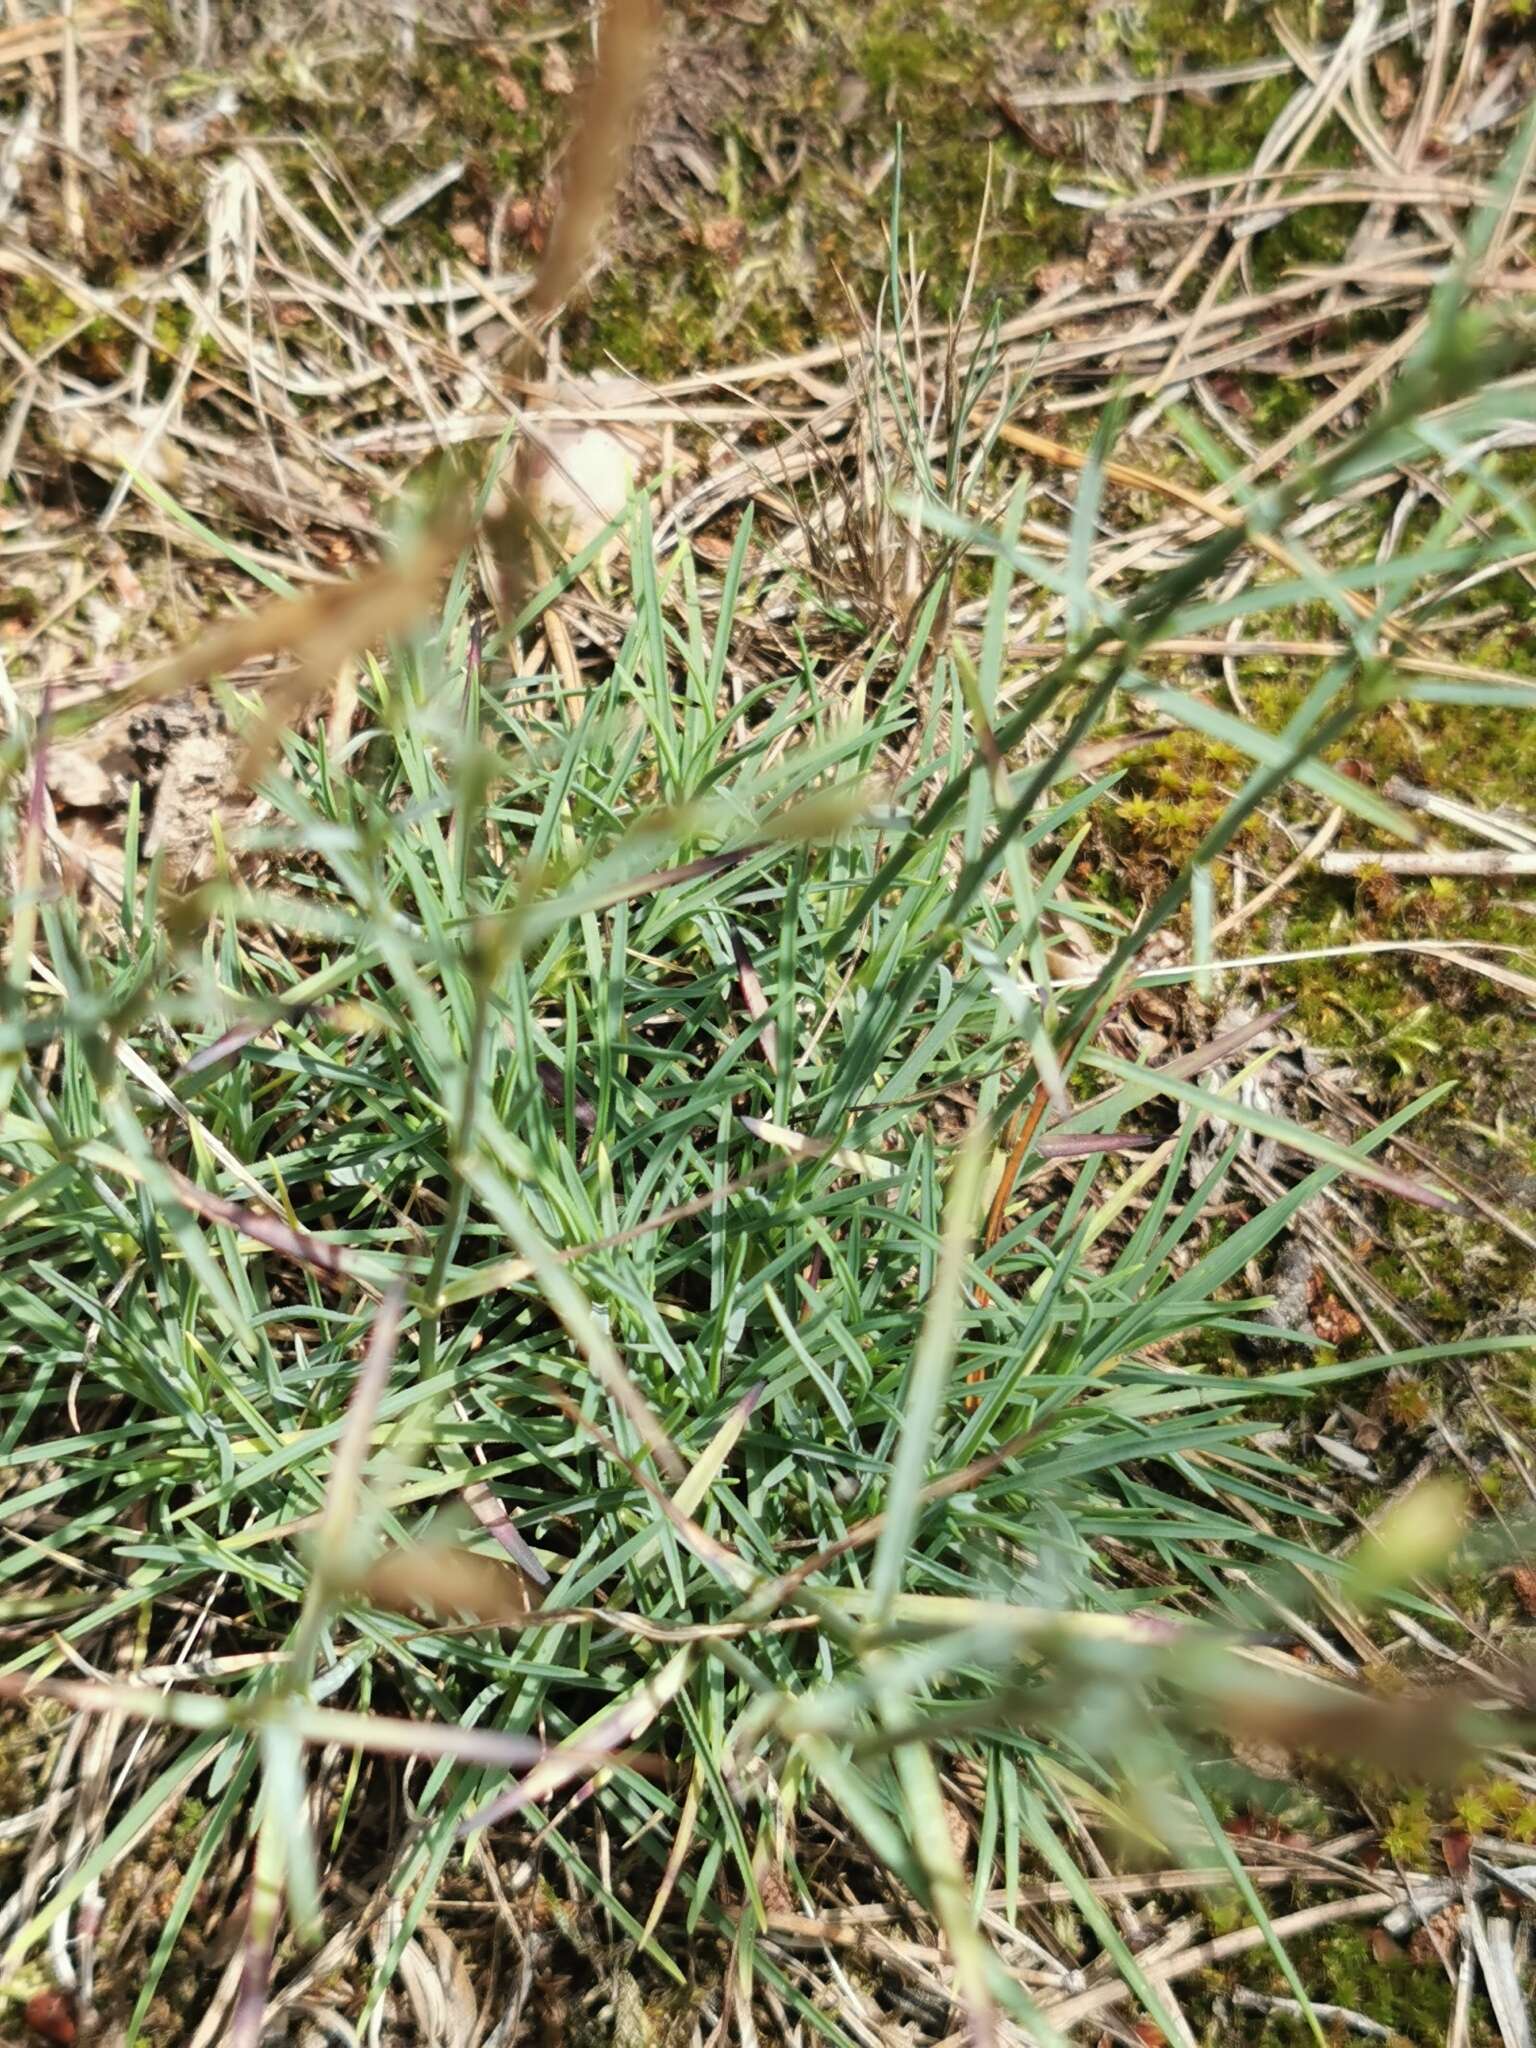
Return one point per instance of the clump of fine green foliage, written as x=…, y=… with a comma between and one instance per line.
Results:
x=689, y=1281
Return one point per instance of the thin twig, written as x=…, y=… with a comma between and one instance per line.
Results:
x=1330, y=2015
x=1434, y=860
x=1500, y=829
x=1220, y=1950
x=1320, y=840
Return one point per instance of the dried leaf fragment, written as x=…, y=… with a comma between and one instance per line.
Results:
x=446, y=1579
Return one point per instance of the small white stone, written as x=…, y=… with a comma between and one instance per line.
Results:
x=579, y=475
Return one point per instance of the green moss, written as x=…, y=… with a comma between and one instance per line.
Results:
x=623, y=327
x=38, y=314
x=1410, y=1020
x=1218, y=135
x=1173, y=792
x=1408, y=1837
x=899, y=58
x=1203, y=37
x=930, y=67
x=1344, y=1966
x=1415, y=1999
x=24, y=1746
x=1214, y=148
x=188, y=1821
